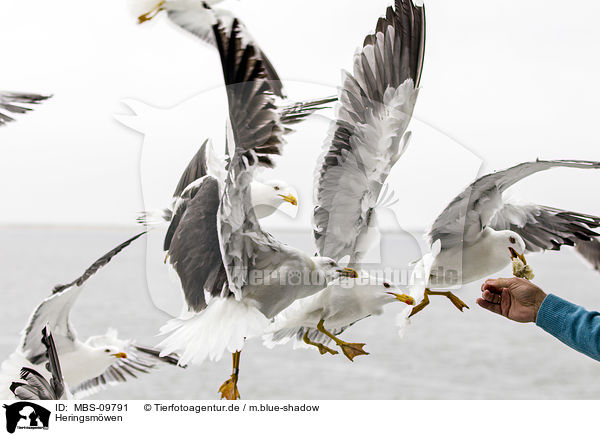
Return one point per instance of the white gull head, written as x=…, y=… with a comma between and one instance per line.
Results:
x=269, y=196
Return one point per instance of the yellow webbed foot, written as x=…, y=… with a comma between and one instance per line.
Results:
x=229, y=390
x=323, y=349
x=351, y=350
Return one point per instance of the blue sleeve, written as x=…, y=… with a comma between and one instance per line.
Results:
x=571, y=324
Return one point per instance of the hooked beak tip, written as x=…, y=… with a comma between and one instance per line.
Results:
x=120, y=355
x=514, y=255
x=290, y=199
x=403, y=298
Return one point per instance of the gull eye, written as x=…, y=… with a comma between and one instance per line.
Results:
x=332, y=263
x=512, y=240
x=386, y=285
x=107, y=351
x=276, y=188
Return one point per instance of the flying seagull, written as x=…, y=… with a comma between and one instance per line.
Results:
x=86, y=366
x=369, y=136
x=479, y=232
x=17, y=103
x=267, y=196
x=235, y=276
x=198, y=18
x=34, y=386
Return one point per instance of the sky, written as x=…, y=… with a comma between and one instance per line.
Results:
x=503, y=82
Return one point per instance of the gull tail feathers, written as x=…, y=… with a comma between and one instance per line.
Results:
x=419, y=280
x=222, y=326
x=150, y=218
x=282, y=336
x=387, y=197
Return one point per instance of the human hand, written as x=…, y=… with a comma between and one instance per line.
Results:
x=516, y=299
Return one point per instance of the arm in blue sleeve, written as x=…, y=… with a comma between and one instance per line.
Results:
x=571, y=324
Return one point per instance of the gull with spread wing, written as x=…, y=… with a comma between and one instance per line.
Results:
x=234, y=275
x=86, y=366
x=197, y=17
x=479, y=233
x=368, y=137
x=34, y=386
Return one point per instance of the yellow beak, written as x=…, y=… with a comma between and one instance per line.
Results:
x=290, y=199
x=151, y=13
x=515, y=255
x=403, y=298
x=120, y=355
x=348, y=272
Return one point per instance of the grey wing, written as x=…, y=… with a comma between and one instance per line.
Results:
x=200, y=23
x=257, y=133
x=54, y=311
x=369, y=135
x=196, y=169
x=545, y=228
x=139, y=361
x=193, y=244
x=34, y=385
x=204, y=162
x=590, y=251
x=475, y=208
x=299, y=111
x=17, y=103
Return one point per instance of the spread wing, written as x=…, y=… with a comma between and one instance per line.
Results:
x=204, y=163
x=54, y=311
x=476, y=207
x=17, y=103
x=139, y=361
x=193, y=243
x=257, y=133
x=369, y=135
x=546, y=228
x=34, y=385
x=200, y=21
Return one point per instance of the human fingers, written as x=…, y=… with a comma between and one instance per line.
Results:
x=492, y=307
x=496, y=285
x=491, y=297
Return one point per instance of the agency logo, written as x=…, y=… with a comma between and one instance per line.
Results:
x=26, y=415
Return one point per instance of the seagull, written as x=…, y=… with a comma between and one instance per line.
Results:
x=234, y=275
x=17, y=103
x=369, y=136
x=198, y=18
x=480, y=232
x=318, y=320
x=267, y=196
x=34, y=386
x=194, y=17
x=86, y=366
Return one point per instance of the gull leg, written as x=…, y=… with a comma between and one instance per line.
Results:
x=419, y=307
x=350, y=350
x=460, y=305
x=151, y=13
x=229, y=390
x=322, y=348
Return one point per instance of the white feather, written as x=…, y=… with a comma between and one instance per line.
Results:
x=222, y=326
